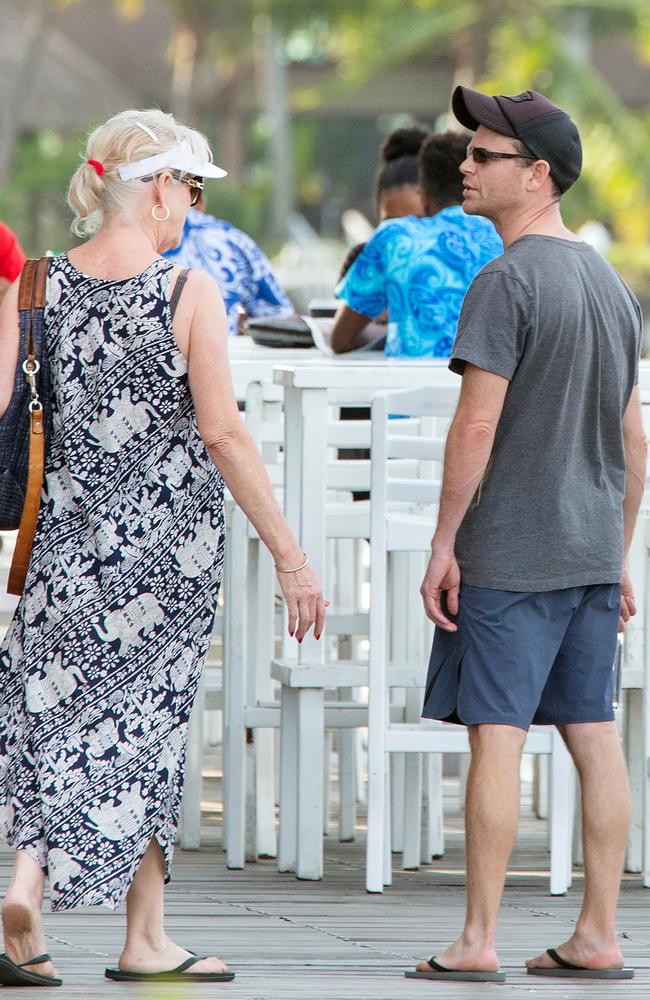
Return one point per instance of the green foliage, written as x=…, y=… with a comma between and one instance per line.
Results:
x=33, y=202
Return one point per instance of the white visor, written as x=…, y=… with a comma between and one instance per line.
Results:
x=179, y=157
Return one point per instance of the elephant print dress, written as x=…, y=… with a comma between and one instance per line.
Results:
x=102, y=660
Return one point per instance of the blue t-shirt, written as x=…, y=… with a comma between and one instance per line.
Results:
x=236, y=263
x=420, y=269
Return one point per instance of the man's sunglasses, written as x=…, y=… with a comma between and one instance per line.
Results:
x=481, y=155
x=195, y=184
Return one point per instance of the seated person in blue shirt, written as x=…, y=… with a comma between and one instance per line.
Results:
x=397, y=185
x=418, y=268
x=240, y=269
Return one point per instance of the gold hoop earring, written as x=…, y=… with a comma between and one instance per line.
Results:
x=165, y=217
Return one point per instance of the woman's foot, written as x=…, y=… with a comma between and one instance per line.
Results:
x=465, y=957
x=22, y=925
x=168, y=956
x=580, y=951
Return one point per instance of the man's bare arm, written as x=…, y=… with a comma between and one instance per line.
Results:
x=636, y=456
x=468, y=449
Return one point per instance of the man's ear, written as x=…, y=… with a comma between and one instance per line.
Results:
x=540, y=170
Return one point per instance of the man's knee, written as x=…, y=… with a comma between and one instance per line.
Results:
x=495, y=739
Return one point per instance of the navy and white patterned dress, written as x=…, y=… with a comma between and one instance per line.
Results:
x=101, y=662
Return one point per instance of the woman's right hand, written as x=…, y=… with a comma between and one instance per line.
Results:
x=305, y=602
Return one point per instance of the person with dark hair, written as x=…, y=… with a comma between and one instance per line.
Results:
x=397, y=187
x=418, y=268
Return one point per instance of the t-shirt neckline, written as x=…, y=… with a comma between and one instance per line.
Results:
x=577, y=244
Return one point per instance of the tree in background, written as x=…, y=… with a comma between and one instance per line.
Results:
x=217, y=48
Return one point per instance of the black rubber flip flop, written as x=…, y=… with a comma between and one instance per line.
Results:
x=177, y=975
x=566, y=970
x=457, y=975
x=12, y=974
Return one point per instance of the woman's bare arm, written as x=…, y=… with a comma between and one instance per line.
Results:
x=233, y=450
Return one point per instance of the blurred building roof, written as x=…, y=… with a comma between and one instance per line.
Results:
x=92, y=61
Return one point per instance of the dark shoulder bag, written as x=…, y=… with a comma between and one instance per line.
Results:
x=25, y=424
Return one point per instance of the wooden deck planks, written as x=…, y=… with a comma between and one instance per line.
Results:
x=291, y=940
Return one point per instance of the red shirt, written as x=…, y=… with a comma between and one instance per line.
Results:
x=12, y=257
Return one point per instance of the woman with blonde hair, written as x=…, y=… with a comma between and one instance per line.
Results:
x=101, y=662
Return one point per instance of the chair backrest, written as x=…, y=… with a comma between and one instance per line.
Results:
x=402, y=512
x=410, y=531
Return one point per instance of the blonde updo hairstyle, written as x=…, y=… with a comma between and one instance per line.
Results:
x=129, y=136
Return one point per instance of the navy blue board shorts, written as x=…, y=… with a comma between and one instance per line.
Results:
x=519, y=659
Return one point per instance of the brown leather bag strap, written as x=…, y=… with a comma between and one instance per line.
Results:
x=27, y=529
x=40, y=282
x=31, y=296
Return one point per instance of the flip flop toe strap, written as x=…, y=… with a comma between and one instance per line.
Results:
x=562, y=962
x=39, y=960
x=436, y=966
x=188, y=963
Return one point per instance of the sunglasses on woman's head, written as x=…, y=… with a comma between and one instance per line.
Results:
x=195, y=184
x=481, y=155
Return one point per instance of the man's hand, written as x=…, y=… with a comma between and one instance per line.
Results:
x=442, y=573
x=628, y=604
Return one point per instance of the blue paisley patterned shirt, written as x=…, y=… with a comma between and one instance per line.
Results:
x=236, y=263
x=420, y=269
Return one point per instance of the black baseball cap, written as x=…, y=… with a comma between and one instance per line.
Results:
x=544, y=128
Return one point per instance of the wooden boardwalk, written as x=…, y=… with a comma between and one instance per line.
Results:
x=291, y=940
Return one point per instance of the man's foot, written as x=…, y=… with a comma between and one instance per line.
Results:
x=169, y=956
x=464, y=958
x=22, y=925
x=581, y=953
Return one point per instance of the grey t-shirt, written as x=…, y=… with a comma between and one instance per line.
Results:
x=556, y=320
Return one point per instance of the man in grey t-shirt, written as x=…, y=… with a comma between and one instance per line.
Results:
x=544, y=473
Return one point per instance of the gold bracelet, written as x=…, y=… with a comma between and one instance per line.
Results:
x=302, y=566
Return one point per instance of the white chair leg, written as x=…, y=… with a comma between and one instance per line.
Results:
x=412, y=812
x=561, y=819
x=433, y=834
x=250, y=826
x=578, y=854
x=387, y=849
x=464, y=762
x=327, y=782
x=541, y=801
x=348, y=749
x=262, y=652
x=287, y=843
x=190, y=827
x=234, y=680
x=266, y=841
x=397, y=781
x=310, y=710
x=636, y=763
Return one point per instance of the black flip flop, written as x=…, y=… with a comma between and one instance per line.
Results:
x=12, y=974
x=458, y=975
x=177, y=975
x=566, y=970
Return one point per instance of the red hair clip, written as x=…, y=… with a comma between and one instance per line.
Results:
x=98, y=165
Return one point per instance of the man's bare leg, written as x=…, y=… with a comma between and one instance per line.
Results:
x=22, y=921
x=596, y=751
x=491, y=822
